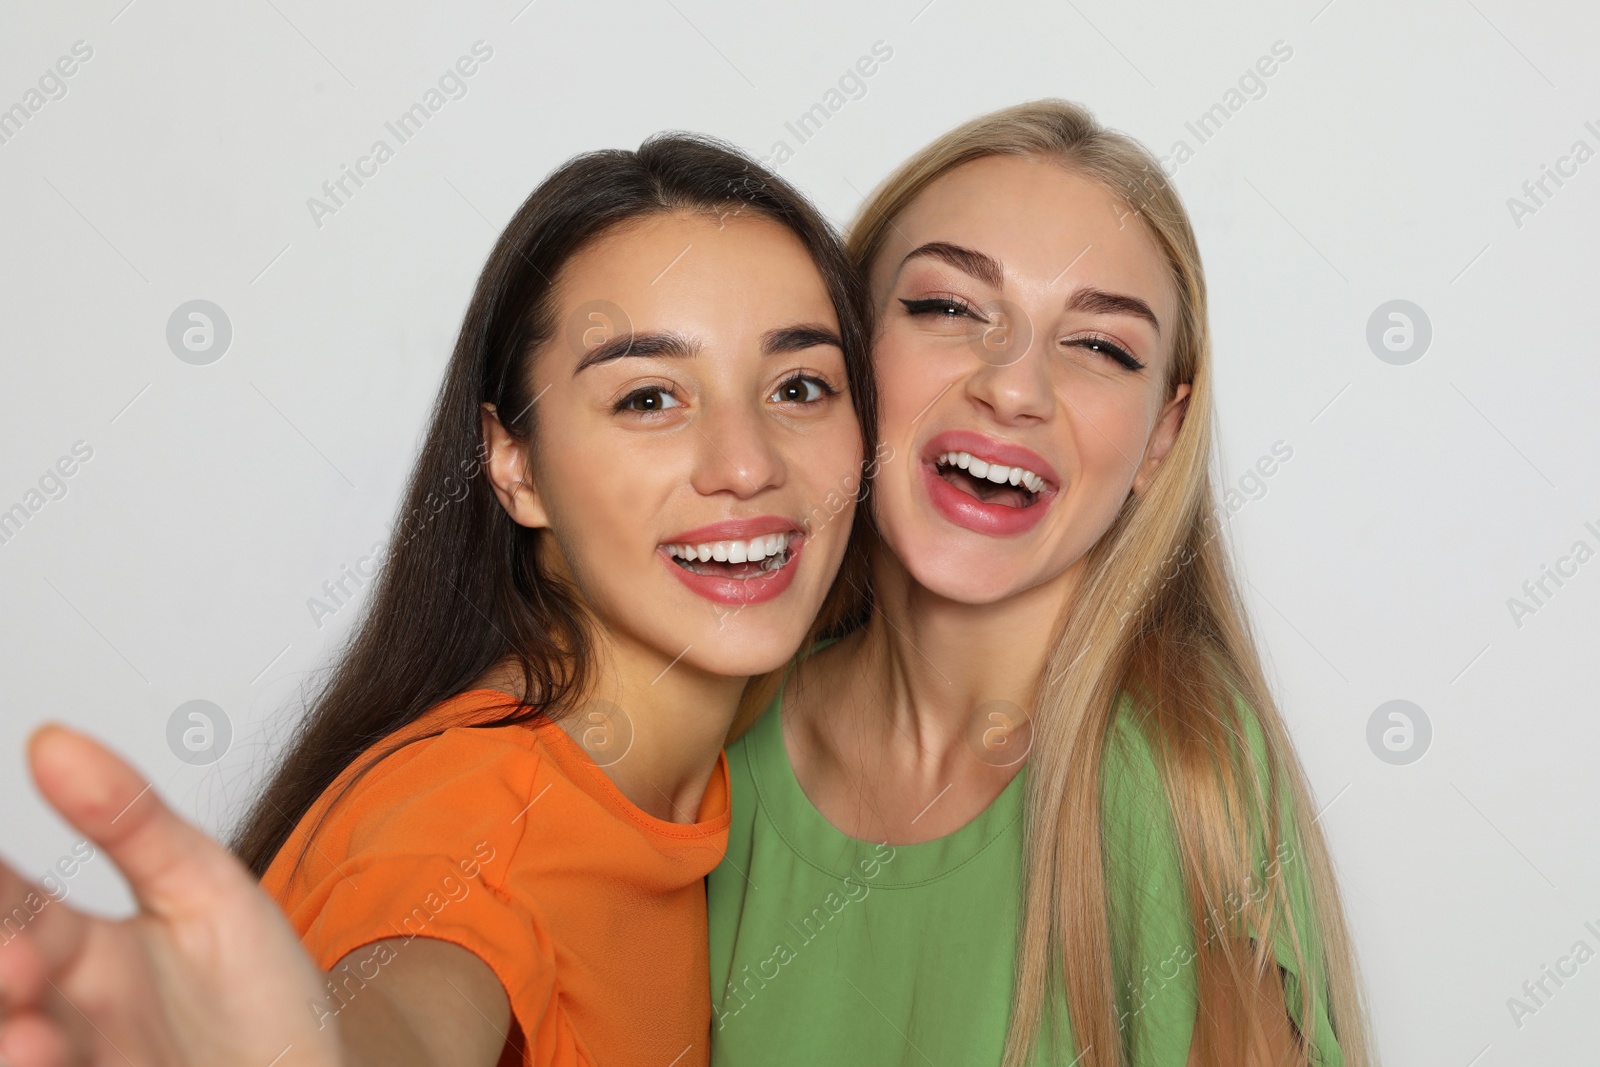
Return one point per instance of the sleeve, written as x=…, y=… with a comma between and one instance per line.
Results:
x=1152, y=937
x=422, y=846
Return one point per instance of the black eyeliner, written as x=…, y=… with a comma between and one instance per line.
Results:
x=933, y=304
x=1121, y=355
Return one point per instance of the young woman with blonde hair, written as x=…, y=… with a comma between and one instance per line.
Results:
x=1041, y=806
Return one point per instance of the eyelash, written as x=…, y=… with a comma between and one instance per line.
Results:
x=828, y=391
x=1107, y=347
x=942, y=306
x=625, y=403
x=934, y=304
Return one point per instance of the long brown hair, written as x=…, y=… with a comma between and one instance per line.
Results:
x=1158, y=619
x=462, y=589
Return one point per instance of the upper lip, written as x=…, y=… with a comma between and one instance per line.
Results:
x=991, y=450
x=735, y=530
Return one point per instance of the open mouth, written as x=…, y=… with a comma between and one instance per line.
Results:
x=752, y=558
x=990, y=483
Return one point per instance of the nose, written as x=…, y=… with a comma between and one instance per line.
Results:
x=1012, y=376
x=736, y=452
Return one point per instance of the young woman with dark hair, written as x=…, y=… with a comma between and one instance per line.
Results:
x=491, y=832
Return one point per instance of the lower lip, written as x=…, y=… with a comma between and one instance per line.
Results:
x=970, y=513
x=738, y=591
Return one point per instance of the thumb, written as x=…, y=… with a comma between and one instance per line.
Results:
x=165, y=859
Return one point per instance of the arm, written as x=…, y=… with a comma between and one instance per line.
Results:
x=434, y=1004
x=207, y=972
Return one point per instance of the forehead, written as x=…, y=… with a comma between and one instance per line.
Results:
x=699, y=258
x=1036, y=216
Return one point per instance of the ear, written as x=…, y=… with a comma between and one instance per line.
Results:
x=509, y=473
x=1168, y=424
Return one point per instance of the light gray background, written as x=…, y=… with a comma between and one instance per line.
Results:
x=1376, y=166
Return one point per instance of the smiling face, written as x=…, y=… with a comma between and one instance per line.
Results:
x=1025, y=321
x=680, y=464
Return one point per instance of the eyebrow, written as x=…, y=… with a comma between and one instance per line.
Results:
x=988, y=270
x=798, y=338
x=675, y=346
x=636, y=344
x=1100, y=302
x=969, y=261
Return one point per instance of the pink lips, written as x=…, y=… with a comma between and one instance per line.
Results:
x=968, y=512
x=757, y=590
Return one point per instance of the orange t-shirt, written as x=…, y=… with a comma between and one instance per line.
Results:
x=510, y=842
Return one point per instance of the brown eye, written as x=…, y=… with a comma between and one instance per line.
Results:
x=802, y=389
x=649, y=399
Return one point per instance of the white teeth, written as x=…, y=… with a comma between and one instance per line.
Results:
x=994, y=472
x=756, y=549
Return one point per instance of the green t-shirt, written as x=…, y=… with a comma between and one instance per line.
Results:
x=830, y=950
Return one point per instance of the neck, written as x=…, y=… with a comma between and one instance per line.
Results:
x=945, y=664
x=655, y=727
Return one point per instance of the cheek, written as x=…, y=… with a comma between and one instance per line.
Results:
x=1110, y=429
x=603, y=506
x=830, y=467
x=909, y=379
x=1108, y=416
x=830, y=460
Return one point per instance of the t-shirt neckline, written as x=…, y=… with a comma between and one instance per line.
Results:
x=579, y=767
x=820, y=844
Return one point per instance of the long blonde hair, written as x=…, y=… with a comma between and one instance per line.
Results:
x=1158, y=619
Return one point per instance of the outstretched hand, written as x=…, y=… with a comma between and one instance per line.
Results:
x=207, y=972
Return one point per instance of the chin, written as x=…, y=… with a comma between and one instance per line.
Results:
x=967, y=578
x=959, y=566
x=744, y=648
